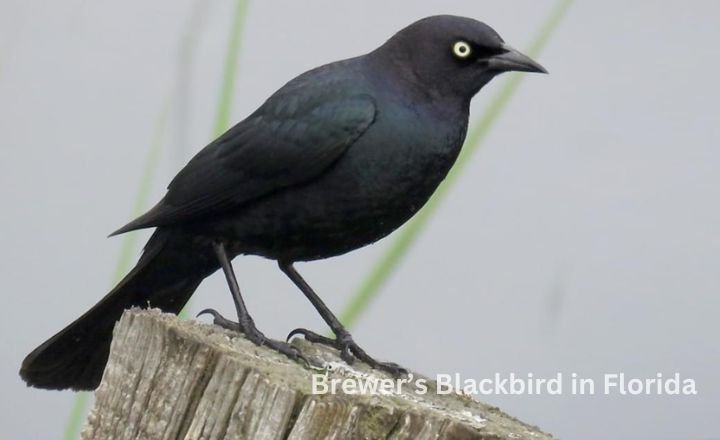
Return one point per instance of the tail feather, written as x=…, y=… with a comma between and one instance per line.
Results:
x=167, y=274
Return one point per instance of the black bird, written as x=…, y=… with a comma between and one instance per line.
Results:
x=336, y=159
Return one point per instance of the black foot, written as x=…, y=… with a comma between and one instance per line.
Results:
x=251, y=332
x=349, y=350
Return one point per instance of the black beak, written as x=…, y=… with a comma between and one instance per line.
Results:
x=514, y=60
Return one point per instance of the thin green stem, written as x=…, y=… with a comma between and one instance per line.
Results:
x=222, y=121
x=389, y=261
x=152, y=159
x=77, y=414
x=129, y=243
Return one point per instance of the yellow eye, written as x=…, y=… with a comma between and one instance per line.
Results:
x=461, y=49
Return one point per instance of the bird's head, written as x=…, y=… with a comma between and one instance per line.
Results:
x=452, y=55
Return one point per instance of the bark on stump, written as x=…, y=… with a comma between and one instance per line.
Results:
x=173, y=379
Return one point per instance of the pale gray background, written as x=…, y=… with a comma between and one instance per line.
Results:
x=584, y=237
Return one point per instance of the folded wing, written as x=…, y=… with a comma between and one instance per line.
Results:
x=293, y=138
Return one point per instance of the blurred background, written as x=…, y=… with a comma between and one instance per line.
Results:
x=582, y=237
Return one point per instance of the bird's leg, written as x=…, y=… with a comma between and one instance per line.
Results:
x=343, y=339
x=245, y=324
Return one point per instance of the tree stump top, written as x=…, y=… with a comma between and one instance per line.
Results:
x=167, y=378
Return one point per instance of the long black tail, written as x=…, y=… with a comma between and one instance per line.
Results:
x=169, y=271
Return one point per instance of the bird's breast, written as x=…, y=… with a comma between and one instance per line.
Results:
x=403, y=159
x=376, y=186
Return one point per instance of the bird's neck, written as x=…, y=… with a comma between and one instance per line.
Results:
x=396, y=75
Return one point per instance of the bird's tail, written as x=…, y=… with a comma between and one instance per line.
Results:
x=167, y=274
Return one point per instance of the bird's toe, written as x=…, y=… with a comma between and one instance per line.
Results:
x=220, y=320
x=313, y=337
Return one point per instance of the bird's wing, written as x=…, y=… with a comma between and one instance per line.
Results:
x=296, y=135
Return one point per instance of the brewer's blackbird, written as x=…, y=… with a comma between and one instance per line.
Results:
x=336, y=159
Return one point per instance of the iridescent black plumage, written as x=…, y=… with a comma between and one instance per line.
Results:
x=336, y=159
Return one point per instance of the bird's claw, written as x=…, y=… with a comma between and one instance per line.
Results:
x=255, y=336
x=311, y=336
x=288, y=350
x=349, y=350
x=221, y=321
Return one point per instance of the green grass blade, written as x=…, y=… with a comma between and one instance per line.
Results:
x=129, y=242
x=152, y=160
x=195, y=24
x=77, y=415
x=224, y=111
x=222, y=121
x=389, y=261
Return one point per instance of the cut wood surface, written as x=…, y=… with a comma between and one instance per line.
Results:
x=173, y=379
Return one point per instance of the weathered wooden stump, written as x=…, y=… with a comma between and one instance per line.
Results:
x=173, y=379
